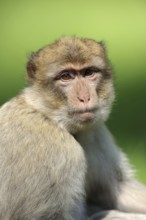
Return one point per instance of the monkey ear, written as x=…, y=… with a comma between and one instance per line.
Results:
x=31, y=67
x=102, y=44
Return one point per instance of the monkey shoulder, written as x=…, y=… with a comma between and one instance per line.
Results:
x=18, y=116
x=23, y=127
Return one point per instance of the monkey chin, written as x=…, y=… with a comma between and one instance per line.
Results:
x=84, y=121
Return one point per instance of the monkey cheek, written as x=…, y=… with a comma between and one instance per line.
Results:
x=104, y=113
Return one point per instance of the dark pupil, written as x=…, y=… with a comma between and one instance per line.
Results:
x=88, y=72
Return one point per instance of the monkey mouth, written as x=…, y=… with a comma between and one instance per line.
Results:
x=84, y=115
x=86, y=110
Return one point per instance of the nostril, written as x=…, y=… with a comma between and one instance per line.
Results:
x=84, y=99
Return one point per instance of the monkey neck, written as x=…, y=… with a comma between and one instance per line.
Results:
x=86, y=130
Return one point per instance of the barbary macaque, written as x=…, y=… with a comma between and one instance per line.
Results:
x=58, y=160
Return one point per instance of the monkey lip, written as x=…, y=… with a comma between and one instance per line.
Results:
x=85, y=115
x=84, y=111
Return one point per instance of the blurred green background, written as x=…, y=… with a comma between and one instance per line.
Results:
x=25, y=26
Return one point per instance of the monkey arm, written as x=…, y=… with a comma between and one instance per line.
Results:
x=131, y=204
x=132, y=197
x=110, y=182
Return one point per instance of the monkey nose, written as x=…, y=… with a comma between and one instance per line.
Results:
x=84, y=99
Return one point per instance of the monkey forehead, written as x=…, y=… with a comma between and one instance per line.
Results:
x=78, y=50
x=56, y=68
x=71, y=49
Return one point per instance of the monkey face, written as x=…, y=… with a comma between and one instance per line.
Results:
x=88, y=94
x=76, y=80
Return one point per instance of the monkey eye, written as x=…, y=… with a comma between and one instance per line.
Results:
x=65, y=76
x=90, y=71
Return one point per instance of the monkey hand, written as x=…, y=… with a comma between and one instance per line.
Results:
x=117, y=215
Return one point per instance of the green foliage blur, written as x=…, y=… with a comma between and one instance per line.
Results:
x=25, y=26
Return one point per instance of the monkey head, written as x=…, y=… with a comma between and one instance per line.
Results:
x=74, y=80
